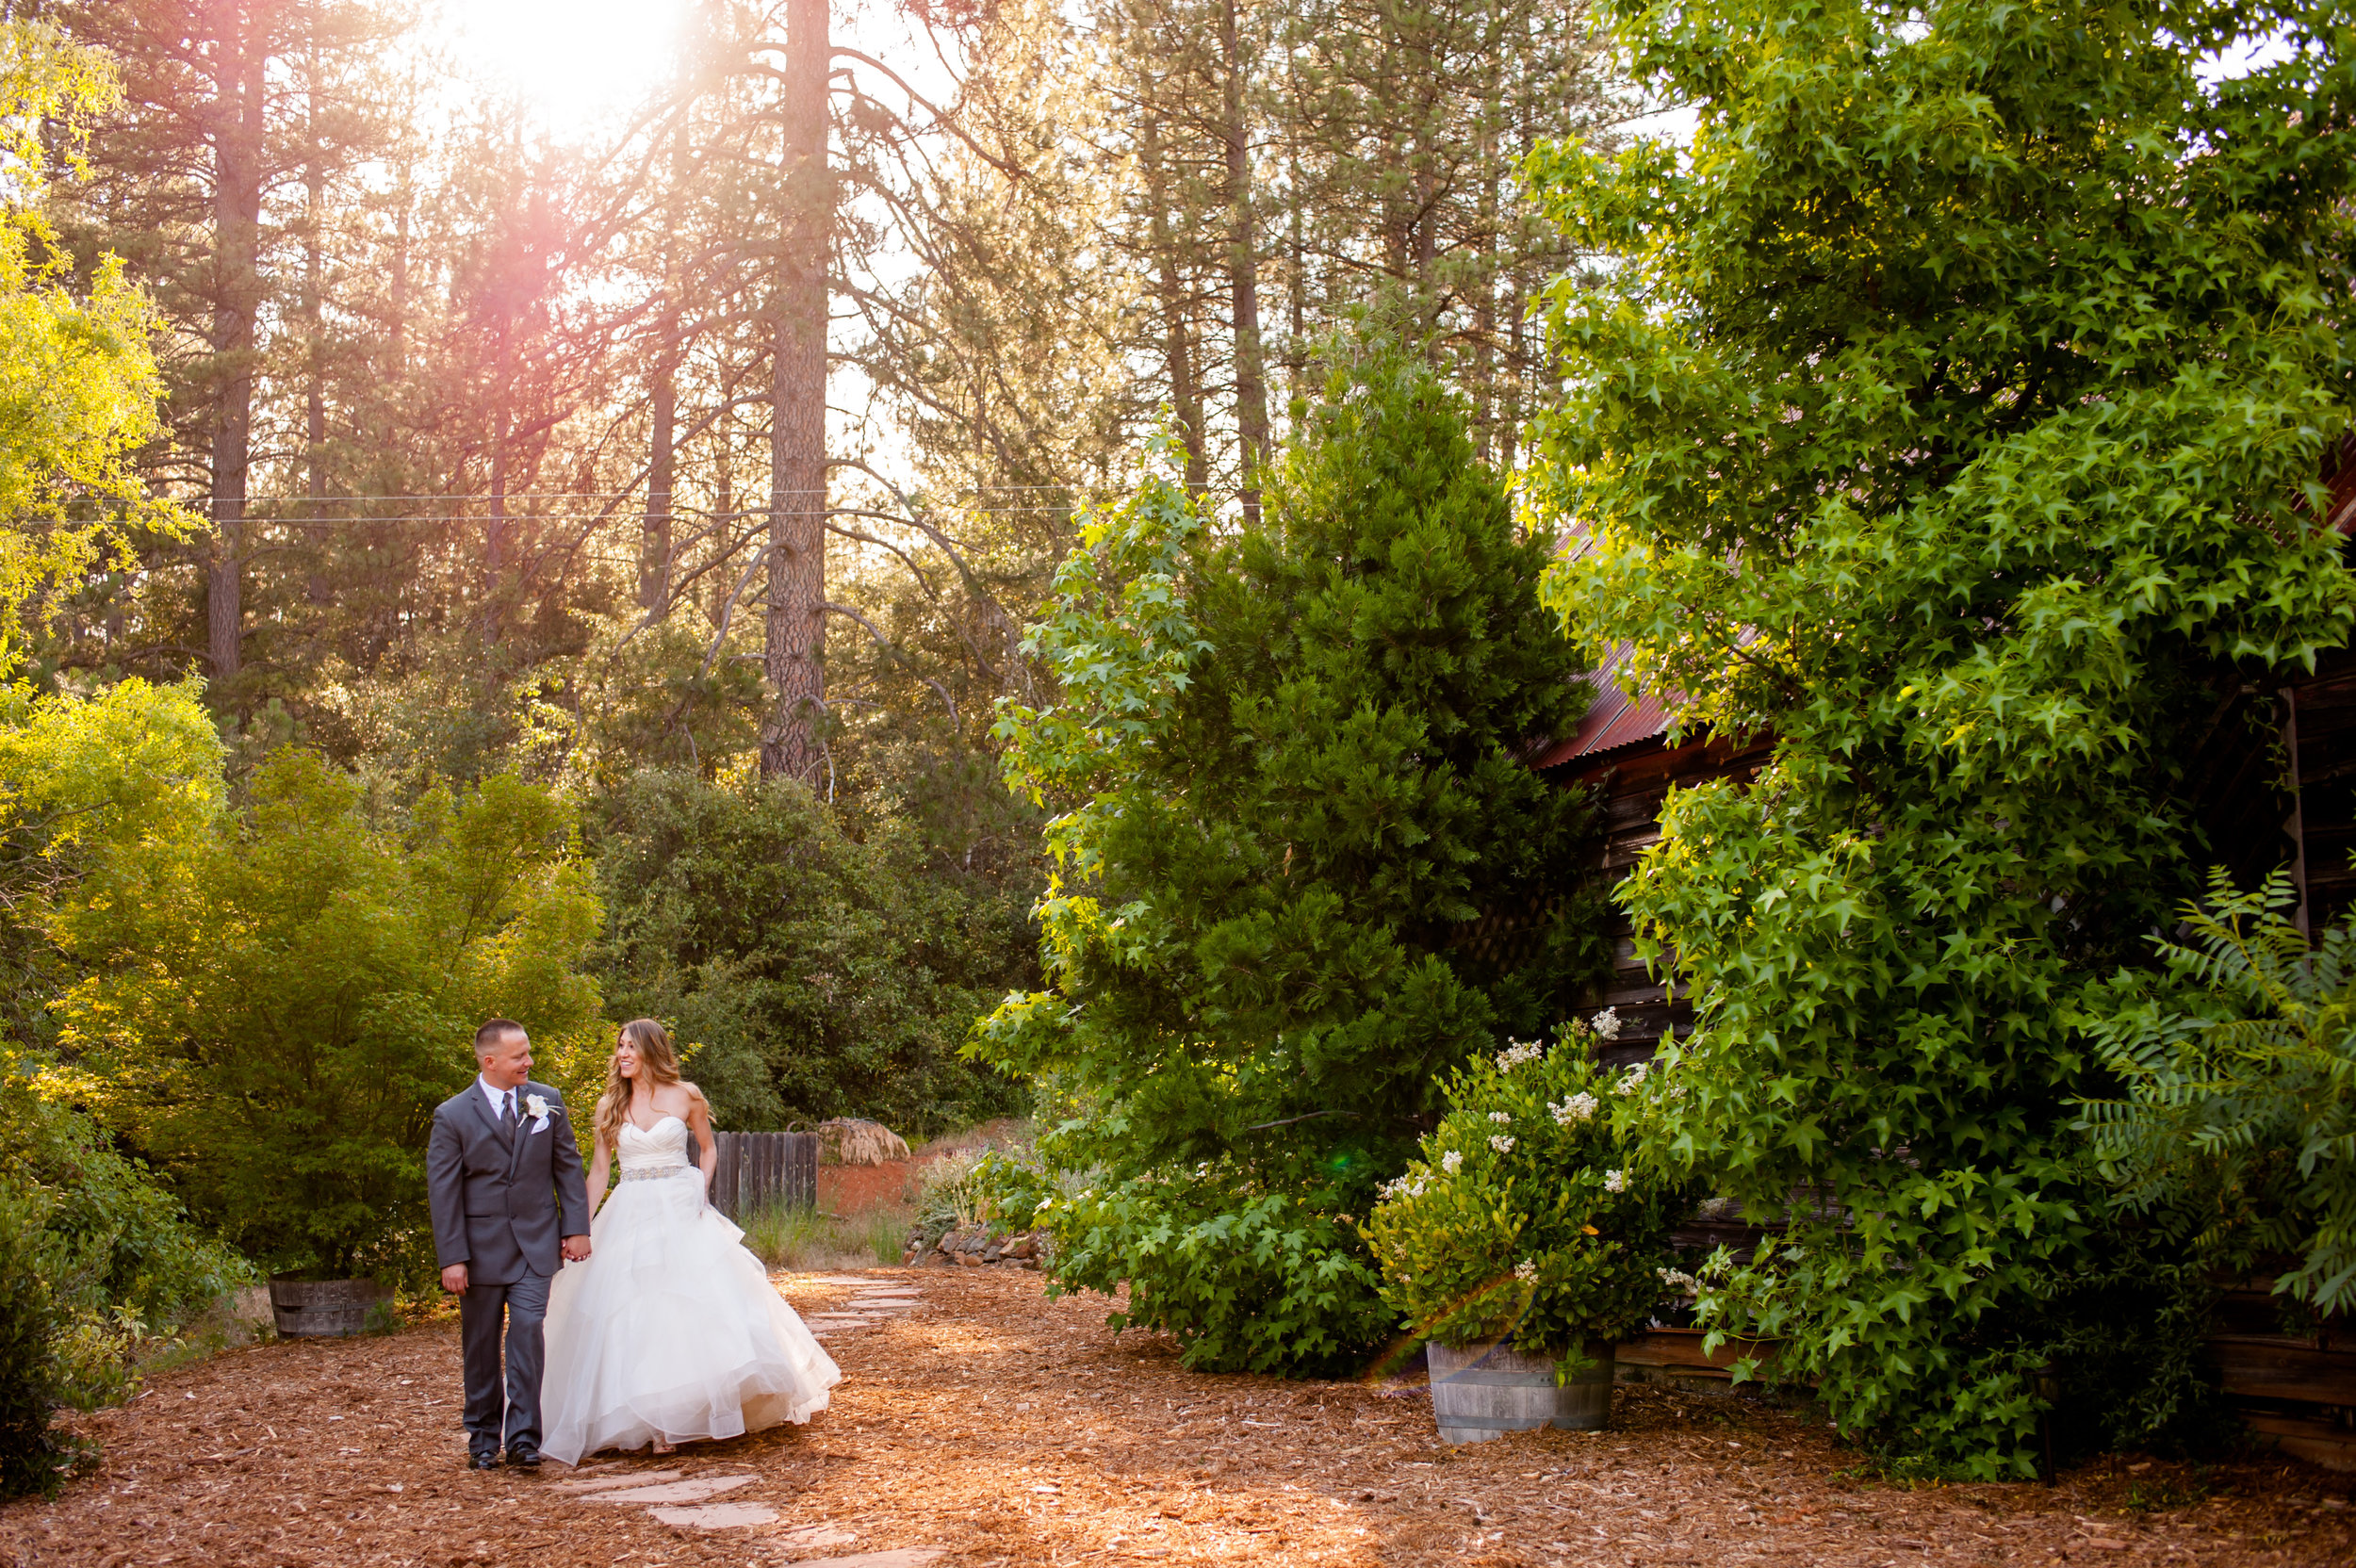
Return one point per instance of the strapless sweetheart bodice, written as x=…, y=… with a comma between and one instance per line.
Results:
x=655, y=1148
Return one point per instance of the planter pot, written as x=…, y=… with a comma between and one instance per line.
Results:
x=1483, y=1390
x=328, y=1309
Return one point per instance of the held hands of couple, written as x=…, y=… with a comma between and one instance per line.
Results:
x=454, y=1277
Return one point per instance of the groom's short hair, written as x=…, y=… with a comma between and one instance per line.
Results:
x=492, y=1032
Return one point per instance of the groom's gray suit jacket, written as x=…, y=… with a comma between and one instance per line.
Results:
x=502, y=1206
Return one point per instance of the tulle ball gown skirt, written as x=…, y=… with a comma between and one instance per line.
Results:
x=671, y=1330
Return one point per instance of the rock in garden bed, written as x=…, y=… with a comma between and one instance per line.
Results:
x=971, y=1246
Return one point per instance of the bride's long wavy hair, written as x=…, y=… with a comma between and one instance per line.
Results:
x=657, y=1065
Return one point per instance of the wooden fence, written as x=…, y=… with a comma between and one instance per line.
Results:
x=759, y=1169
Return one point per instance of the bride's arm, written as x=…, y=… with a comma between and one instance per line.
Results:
x=600, y=1164
x=699, y=1123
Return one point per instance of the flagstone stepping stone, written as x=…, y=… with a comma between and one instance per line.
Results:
x=906, y=1557
x=606, y=1483
x=802, y=1538
x=717, y=1516
x=676, y=1492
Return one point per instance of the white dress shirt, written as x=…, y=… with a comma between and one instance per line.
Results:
x=500, y=1099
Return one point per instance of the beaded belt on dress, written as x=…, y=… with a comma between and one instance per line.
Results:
x=654, y=1173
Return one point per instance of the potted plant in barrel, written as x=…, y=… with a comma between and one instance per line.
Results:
x=1522, y=1244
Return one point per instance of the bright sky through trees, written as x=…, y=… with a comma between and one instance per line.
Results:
x=576, y=61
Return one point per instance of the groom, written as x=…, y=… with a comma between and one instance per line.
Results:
x=503, y=1176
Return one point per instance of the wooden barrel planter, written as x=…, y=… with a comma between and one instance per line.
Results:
x=328, y=1309
x=1482, y=1390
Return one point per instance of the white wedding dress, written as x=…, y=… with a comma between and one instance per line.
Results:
x=671, y=1329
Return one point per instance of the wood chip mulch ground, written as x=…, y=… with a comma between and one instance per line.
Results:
x=986, y=1426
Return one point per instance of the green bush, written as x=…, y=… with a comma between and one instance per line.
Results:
x=98, y=1272
x=125, y=1267
x=274, y=1006
x=1002, y=1189
x=1248, y=1279
x=1304, y=868
x=2236, y=1135
x=815, y=972
x=32, y=1455
x=1528, y=1216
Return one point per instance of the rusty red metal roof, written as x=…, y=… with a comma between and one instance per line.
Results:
x=2340, y=511
x=1614, y=719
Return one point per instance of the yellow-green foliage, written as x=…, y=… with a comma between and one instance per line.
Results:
x=274, y=1003
x=78, y=386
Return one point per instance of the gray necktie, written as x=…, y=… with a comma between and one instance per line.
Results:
x=510, y=1117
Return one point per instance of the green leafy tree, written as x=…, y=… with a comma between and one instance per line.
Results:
x=82, y=779
x=816, y=973
x=78, y=385
x=1954, y=408
x=1304, y=872
x=94, y=1256
x=273, y=1008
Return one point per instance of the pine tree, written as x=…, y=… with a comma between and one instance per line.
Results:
x=1307, y=872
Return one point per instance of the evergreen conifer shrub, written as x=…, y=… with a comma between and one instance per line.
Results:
x=1302, y=867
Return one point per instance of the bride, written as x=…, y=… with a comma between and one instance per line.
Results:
x=672, y=1329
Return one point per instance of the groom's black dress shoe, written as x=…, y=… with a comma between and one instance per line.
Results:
x=524, y=1459
x=482, y=1461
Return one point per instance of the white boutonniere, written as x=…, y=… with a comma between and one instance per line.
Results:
x=538, y=1105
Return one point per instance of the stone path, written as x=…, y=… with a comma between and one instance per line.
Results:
x=876, y=1303
x=674, y=1499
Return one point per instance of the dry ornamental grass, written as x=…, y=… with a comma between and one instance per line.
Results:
x=985, y=1426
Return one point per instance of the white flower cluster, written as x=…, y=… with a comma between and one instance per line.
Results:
x=1578, y=1108
x=1525, y=1271
x=1502, y=1143
x=1405, y=1187
x=1633, y=1079
x=1506, y=1117
x=1678, y=1280
x=1615, y=1181
x=1606, y=1025
x=1518, y=1052
x=1452, y=1161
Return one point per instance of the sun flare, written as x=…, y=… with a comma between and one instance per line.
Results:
x=575, y=61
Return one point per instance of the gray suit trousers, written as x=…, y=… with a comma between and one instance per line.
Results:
x=524, y=1304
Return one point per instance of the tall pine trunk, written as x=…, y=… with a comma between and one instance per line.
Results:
x=794, y=634
x=654, y=543
x=315, y=346
x=1243, y=266
x=1185, y=391
x=239, y=116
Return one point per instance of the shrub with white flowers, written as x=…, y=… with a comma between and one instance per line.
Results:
x=1527, y=1215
